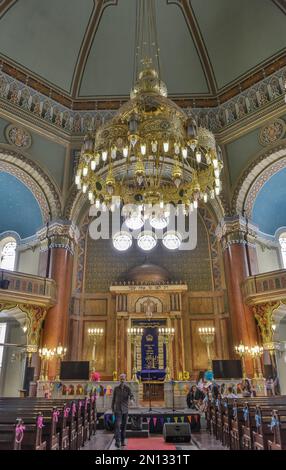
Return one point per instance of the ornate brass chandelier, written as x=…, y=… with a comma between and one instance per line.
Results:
x=151, y=153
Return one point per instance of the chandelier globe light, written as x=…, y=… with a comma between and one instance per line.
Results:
x=151, y=153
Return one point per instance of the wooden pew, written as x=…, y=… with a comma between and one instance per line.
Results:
x=264, y=426
x=71, y=423
x=278, y=427
x=20, y=436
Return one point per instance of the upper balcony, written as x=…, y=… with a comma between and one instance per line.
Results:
x=26, y=288
x=264, y=287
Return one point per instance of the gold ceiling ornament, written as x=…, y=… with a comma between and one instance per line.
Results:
x=151, y=153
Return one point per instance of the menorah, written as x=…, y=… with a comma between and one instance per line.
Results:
x=135, y=335
x=207, y=335
x=167, y=335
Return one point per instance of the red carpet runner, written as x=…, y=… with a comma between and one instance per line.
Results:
x=149, y=443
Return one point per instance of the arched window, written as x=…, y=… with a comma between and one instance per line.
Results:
x=282, y=241
x=8, y=253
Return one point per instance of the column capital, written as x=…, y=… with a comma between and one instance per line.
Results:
x=58, y=234
x=264, y=316
x=236, y=230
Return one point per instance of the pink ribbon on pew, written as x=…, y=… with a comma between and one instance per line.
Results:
x=73, y=409
x=66, y=412
x=56, y=414
x=40, y=422
x=20, y=428
x=80, y=404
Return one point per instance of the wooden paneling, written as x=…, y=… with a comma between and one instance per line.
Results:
x=95, y=307
x=198, y=348
x=201, y=305
x=224, y=328
x=100, y=349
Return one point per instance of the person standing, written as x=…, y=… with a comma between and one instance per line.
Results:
x=121, y=395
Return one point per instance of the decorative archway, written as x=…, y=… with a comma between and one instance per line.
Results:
x=265, y=165
x=38, y=182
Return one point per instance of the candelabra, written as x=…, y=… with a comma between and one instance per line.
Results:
x=256, y=353
x=168, y=336
x=207, y=335
x=59, y=353
x=46, y=355
x=243, y=351
x=134, y=335
x=94, y=334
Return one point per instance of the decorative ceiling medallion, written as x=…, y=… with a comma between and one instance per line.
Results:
x=272, y=132
x=18, y=136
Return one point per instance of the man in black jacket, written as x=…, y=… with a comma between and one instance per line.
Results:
x=121, y=394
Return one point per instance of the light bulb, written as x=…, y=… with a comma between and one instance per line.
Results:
x=184, y=152
x=215, y=162
x=217, y=190
x=212, y=194
x=143, y=149
x=177, y=148
x=90, y=195
x=97, y=203
x=113, y=153
x=205, y=197
x=161, y=204
x=195, y=204
x=84, y=188
x=85, y=171
x=217, y=182
x=216, y=173
x=166, y=147
x=104, y=155
x=77, y=179
x=93, y=165
x=125, y=152
x=198, y=157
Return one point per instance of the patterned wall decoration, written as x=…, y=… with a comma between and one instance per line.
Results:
x=210, y=225
x=259, y=182
x=273, y=131
x=18, y=136
x=104, y=265
x=264, y=162
x=35, y=178
x=79, y=122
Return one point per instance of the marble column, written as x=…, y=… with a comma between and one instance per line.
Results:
x=240, y=260
x=57, y=245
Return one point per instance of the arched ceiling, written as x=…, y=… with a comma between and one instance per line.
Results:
x=19, y=210
x=269, y=210
x=84, y=49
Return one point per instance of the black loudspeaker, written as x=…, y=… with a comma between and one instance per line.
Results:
x=29, y=377
x=177, y=432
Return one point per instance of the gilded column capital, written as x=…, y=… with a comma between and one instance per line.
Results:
x=35, y=316
x=264, y=316
x=236, y=230
x=59, y=234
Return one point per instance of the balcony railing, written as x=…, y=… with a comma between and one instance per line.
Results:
x=20, y=287
x=265, y=287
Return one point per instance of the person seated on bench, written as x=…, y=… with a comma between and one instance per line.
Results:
x=230, y=393
x=195, y=397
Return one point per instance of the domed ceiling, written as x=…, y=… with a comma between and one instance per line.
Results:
x=84, y=49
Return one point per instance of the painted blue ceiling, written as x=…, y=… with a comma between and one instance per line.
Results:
x=269, y=211
x=19, y=210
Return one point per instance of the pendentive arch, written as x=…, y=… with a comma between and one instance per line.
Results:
x=263, y=166
x=37, y=181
